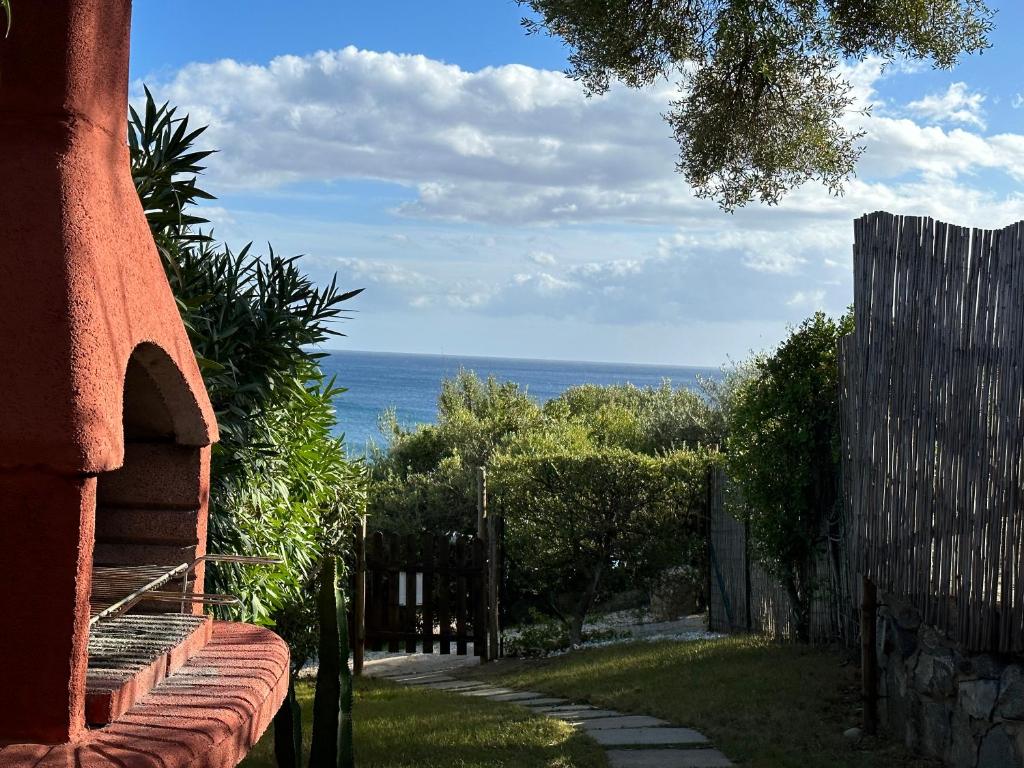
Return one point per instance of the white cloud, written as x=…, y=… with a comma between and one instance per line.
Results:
x=543, y=258
x=518, y=145
x=508, y=166
x=509, y=142
x=957, y=105
x=813, y=300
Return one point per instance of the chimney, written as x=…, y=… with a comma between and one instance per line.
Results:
x=105, y=425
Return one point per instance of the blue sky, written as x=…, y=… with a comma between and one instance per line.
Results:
x=433, y=154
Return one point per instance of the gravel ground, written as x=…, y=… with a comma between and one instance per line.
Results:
x=628, y=626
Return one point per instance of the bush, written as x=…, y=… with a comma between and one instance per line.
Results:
x=579, y=523
x=542, y=636
x=426, y=476
x=426, y=479
x=280, y=482
x=783, y=451
x=677, y=592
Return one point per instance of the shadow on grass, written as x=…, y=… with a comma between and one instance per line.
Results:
x=763, y=703
x=400, y=727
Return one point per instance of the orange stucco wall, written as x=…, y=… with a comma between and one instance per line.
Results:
x=81, y=287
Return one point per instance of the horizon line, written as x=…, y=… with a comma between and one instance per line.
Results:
x=718, y=367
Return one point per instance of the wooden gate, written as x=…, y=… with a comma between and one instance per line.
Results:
x=424, y=594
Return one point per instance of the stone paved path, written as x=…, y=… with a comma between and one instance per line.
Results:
x=631, y=741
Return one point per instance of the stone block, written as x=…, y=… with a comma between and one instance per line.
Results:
x=572, y=715
x=544, y=701
x=998, y=750
x=1010, y=704
x=648, y=737
x=667, y=758
x=156, y=475
x=981, y=666
x=147, y=526
x=625, y=721
x=519, y=697
x=935, y=676
x=900, y=677
x=977, y=698
x=963, y=747
x=934, y=727
x=897, y=707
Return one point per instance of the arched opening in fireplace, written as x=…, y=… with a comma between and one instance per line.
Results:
x=150, y=510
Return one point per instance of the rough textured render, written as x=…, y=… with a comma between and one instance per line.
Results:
x=105, y=425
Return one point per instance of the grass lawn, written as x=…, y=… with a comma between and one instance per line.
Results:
x=762, y=703
x=399, y=727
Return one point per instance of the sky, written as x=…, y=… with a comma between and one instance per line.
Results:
x=435, y=155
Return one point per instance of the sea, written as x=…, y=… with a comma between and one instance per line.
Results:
x=411, y=383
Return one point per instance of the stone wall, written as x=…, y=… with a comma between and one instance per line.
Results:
x=966, y=709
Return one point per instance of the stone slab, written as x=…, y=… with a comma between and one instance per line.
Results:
x=647, y=737
x=542, y=703
x=424, y=679
x=583, y=714
x=625, y=721
x=667, y=758
x=555, y=709
x=456, y=686
x=487, y=692
x=520, y=697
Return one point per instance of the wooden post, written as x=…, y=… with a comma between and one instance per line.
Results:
x=709, y=502
x=483, y=534
x=478, y=560
x=748, y=618
x=359, y=598
x=494, y=540
x=444, y=575
x=481, y=503
x=428, y=592
x=869, y=655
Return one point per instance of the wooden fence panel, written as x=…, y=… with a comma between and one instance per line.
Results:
x=392, y=575
x=444, y=612
x=461, y=601
x=478, y=592
x=419, y=588
x=428, y=555
x=376, y=597
x=932, y=422
x=412, y=567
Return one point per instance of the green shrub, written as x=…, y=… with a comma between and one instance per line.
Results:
x=542, y=636
x=783, y=451
x=280, y=482
x=578, y=523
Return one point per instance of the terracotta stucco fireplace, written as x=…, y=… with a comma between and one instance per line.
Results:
x=105, y=434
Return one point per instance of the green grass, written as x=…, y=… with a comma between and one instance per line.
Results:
x=400, y=727
x=764, y=704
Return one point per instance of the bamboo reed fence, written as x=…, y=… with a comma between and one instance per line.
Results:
x=933, y=380
x=743, y=597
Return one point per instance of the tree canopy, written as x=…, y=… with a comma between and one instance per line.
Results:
x=762, y=99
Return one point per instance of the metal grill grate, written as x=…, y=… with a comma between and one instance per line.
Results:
x=117, y=589
x=121, y=647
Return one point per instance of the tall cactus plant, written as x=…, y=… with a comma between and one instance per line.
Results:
x=332, y=704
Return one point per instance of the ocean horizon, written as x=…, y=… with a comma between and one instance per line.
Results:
x=411, y=382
